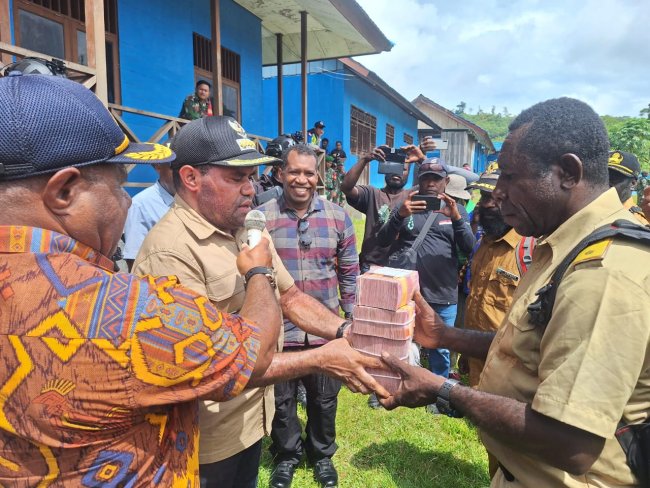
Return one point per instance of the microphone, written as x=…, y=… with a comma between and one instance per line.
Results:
x=254, y=224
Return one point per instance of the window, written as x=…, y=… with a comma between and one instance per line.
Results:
x=363, y=131
x=408, y=139
x=390, y=135
x=230, y=72
x=57, y=28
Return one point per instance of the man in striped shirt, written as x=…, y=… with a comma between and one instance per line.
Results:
x=315, y=240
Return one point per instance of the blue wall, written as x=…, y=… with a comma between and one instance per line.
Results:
x=330, y=98
x=156, y=60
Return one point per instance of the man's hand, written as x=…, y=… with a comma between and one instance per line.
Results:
x=451, y=208
x=429, y=327
x=409, y=207
x=260, y=255
x=427, y=145
x=339, y=360
x=419, y=386
x=413, y=154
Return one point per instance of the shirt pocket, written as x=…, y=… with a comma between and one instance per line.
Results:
x=226, y=290
x=500, y=289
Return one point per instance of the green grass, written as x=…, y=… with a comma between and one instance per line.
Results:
x=405, y=448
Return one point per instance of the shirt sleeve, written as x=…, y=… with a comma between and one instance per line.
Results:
x=347, y=267
x=463, y=235
x=362, y=202
x=593, y=350
x=183, y=348
x=135, y=230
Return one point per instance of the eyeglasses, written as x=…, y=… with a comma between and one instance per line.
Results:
x=305, y=238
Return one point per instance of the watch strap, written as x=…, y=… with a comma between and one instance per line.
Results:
x=443, y=401
x=268, y=272
x=342, y=328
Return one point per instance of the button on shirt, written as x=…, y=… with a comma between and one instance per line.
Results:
x=204, y=258
x=101, y=371
x=591, y=366
x=329, y=264
x=494, y=279
x=146, y=209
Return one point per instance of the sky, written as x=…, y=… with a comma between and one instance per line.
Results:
x=516, y=53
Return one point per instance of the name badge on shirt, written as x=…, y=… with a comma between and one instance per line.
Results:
x=444, y=222
x=507, y=274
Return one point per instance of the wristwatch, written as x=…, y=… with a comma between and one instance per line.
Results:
x=443, y=401
x=342, y=328
x=268, y=272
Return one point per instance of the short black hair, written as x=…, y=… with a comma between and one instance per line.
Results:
x=565, y=125
x=338, y=142
x=301, y=148
x=203, y=82
x=324, y=139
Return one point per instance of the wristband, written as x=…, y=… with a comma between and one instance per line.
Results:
x=342, y=328
x=443, y=402
x=268, y=272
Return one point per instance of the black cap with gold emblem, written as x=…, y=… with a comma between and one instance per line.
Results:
x=625, y=163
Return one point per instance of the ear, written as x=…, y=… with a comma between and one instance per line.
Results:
x=62, y=190
x=570, y=171
x=446, y=180
x=190, y=178
x=280, y=174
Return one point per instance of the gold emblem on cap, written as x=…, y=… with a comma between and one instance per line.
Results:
x=616, y=158
x=237, y=128
x=492, y=167
x=158, y=152
x=122, y=147
x=246, y=144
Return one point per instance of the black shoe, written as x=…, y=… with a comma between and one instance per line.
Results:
x=282, y=475
x=373, y=402
x=325, y=473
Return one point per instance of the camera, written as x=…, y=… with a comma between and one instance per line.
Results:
x=389, y=168
x=433, y=202
x=394, y=154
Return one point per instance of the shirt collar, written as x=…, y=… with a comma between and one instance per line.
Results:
x=511, y=238
x=583, y=222
x=24, y=239
x=167, y=197
x=195, y=222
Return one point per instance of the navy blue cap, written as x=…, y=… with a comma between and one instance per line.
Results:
x=48, y=123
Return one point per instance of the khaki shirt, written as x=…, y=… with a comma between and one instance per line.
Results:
x=494, y=279
x=591, y=367
x=636, y=211
x=204, y=259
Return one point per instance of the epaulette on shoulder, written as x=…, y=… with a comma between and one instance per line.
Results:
x=593, y=252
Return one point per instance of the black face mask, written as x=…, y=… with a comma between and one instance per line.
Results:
x=492, y=222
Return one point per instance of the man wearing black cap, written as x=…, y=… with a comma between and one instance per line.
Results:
x=198, y=240
x=624, y=170
x=315, y=135
x=101, y=370
x=437, y=256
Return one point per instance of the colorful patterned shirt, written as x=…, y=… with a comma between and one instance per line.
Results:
x=101, y=371
x=328, y=264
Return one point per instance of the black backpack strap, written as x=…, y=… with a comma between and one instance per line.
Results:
x=540, y=310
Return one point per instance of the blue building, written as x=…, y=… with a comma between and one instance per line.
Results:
x=357, y=106
x=149, y=54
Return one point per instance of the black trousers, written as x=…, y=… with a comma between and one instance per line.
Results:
x=237, y=471
x=287, y=445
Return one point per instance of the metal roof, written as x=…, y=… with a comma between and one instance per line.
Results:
x=335, y=28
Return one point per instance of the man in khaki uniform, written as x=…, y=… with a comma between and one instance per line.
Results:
x=494, y=271
x=198, y=240
x=624, y=170
x=550, y=398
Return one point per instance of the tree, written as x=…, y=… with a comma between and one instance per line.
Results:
x=633, y=136
x=645, y=112
x=460, y=108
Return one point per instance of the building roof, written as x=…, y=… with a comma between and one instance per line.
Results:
x=371, y=78
x=479, y=133
x=335, y=28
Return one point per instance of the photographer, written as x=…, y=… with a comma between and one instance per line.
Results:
x=437, y=255
x=377, y=203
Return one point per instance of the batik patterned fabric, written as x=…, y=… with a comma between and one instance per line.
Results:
x=100, y=372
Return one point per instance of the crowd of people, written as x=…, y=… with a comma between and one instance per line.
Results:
x=173, y=373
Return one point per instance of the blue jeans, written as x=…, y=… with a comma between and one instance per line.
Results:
x=439, y=358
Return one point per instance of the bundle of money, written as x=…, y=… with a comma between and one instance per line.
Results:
x=386, y=288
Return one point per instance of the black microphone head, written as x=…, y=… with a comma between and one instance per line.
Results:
x=255, y=220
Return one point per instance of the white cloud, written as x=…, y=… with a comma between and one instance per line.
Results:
x=514, y=54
